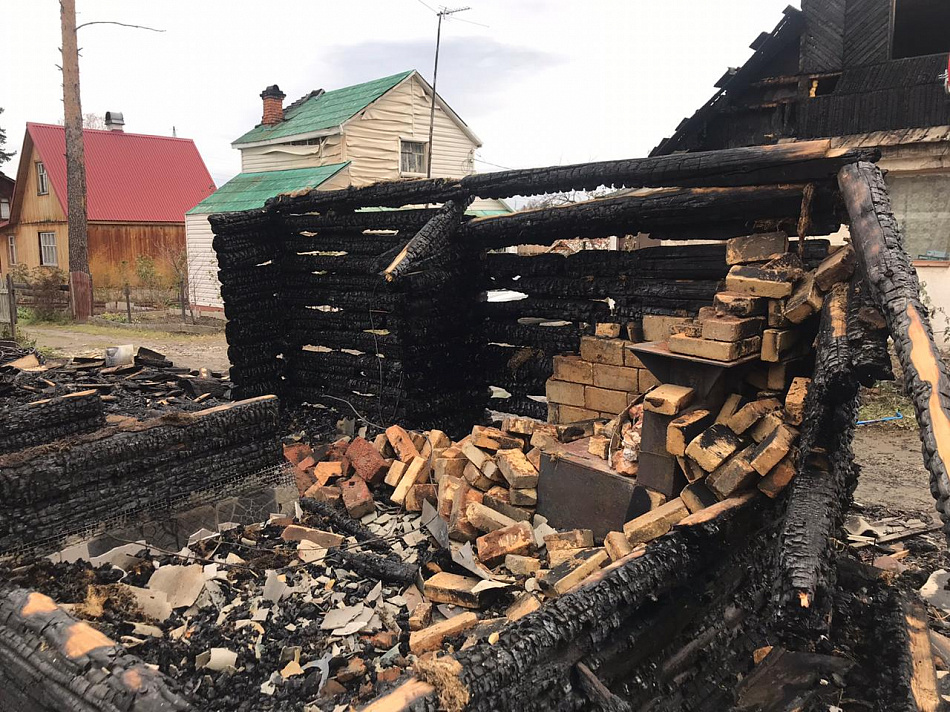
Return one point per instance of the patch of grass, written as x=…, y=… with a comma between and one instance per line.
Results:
x=884, y=401
x=30, y=317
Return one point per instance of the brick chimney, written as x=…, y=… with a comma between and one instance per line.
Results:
x=273, y=105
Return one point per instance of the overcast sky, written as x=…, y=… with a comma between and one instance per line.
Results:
x=546, y=82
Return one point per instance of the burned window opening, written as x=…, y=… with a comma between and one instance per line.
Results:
x=920, y=28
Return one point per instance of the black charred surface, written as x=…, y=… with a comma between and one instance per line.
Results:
x=821, y=492
x=895, y=291
x=50, y=491
x=52, y=662
x=49, y=419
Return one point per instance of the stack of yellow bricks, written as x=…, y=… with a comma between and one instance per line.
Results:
x=601, y=382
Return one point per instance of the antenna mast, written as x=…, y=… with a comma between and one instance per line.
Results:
x=444, y=12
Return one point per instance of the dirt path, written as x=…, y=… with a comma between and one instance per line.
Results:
x=892, y=469
x=187, y=350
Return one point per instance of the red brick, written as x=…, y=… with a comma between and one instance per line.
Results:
x=357, y=498
x=297, y=452
x=366, y=461
x=304, y=479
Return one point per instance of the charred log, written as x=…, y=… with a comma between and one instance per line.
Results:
x=50, y=662
x=50, y=419
x=632, y=214
x=431, y=239
x=896, y=292
x=821, y=491
x=374, y=567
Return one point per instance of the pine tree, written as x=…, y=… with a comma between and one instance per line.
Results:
x=4, y=155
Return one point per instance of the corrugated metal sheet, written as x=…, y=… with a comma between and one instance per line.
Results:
x=129, y=177
x=247, y=191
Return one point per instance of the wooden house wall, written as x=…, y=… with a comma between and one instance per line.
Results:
x=822, y=45
x=112, y=244
x=371, y=139
x=282, y=157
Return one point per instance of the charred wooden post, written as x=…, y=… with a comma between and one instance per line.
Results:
x=246, y=245
x=51, y=662
x=867, y=336
x=826, y=477
x=664, y=211
x=895, y=290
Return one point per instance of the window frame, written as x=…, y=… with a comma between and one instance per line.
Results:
x=53, y=247
x=11, y=249
x=424, y=158
x=42, y=179
x=5, y=203
x=893, y=33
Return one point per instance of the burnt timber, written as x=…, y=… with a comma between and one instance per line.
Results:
x=672, y=625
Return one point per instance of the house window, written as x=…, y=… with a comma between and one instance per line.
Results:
x=4, y=209
x=48, y=249
x=920, y=28
x=11, y=248
x=412, y=157
x=920, y=205
x=42, y=180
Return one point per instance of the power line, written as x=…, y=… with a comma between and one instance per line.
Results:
x=428, y=7
x=489, y=163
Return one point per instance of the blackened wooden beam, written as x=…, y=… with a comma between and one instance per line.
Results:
x=759, y=165
x=799, y=162
x=894, y=287
x=805, y=576
x=662, y=210
x=433, y=237
x=332, y=222
x=392, y=194
x=51, y=662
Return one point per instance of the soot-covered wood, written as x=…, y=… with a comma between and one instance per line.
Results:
x=50, y=491
x=52, y=662
x=895, y=290
x=662, y=210
x=821, y=491
x=756, y=165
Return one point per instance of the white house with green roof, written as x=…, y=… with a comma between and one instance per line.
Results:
x=327, y=140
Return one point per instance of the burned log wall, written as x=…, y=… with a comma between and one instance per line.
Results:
x=338, y=299
x=50, y=491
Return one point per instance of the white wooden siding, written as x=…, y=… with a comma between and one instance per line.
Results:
x=282, y=157
x=203, y=287
x=372, y=138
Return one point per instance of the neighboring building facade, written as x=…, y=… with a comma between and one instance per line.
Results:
x=6, y=197
x=352, y=136
x=138, y=189
x=864, y=73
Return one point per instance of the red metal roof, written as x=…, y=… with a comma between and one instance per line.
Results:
x=129, y=177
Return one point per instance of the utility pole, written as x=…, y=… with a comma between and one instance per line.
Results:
x=80, y=281
x=444, y=12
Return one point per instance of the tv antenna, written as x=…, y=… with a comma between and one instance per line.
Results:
x=442, y=13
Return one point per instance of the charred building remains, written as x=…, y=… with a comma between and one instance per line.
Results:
x=716, y=592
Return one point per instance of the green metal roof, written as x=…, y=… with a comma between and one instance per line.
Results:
x=326, y=111
x=247, y=191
